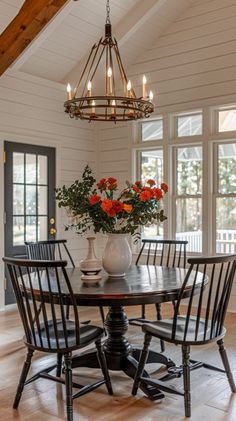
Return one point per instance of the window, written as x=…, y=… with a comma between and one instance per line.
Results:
x=152, y=130
x=189, y=125
x=189, y=196
x=151, y=166
x=226, y=120
x=201, y=173
x=225, y=201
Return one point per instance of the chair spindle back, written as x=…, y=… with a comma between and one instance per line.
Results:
x=48, y=250
x=169, y=253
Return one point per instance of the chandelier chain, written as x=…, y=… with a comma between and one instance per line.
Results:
x=108, y=12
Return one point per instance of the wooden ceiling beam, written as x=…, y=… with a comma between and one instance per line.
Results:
x=31, y=19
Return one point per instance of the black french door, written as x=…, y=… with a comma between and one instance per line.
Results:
x=29, y=195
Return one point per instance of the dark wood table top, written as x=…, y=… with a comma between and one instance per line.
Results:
x=141, y=285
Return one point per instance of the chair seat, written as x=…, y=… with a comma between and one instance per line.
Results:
x=88, y=334
x=162, y=329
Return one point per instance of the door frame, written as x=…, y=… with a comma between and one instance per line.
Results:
x=32, y=140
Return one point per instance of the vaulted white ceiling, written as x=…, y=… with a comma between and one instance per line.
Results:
x=58, y=53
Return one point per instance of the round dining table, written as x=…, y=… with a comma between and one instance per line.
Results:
x=140, y=285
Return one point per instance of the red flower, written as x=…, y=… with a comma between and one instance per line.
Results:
x=158, y=194
x=102, y=184
x=111, y=180
x=117, y=205
x=136, y=189
x=145, y=196
x=138, y=184
x=94, y=199
x=164, y=187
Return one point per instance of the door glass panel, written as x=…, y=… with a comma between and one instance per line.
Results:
x=189, y=222
x=42, y=169
x=30, y=208
x=18, y=167
x=18, y=199
x=30, y=231
x=30, y=170
x=42, y=200
x=18, y=230
x=42, y=228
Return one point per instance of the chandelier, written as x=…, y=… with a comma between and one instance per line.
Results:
x=118, y=101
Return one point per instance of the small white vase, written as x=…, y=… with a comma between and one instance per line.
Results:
x=91, y=265
x=117, y=256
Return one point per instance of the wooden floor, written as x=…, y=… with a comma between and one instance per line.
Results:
x=44, y=400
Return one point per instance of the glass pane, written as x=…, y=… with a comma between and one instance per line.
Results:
x=152, y=165
x=189, y=125
x=30, y=169
x=152, y=130
x=30, y=200
x=42, y=200
x=30, y=233
x=226, y=225
x=189, y=222
x=227, y=168
x=42, y=228
x=18, y=199
x=42, y=169
x=227, y=120
x=18, y=167
x=18, y=230
x=189, y=170
x=154, y=231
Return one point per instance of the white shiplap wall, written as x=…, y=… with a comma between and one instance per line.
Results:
x=193, y=64
x=31, y=111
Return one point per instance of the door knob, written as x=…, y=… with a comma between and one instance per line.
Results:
x=52, y=231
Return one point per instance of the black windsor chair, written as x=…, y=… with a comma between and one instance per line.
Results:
x=53, y=250
x=198, y=321
x=48, y=330
x=168, y=253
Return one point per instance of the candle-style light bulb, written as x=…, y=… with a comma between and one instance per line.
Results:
x=129, y=88
x=109, y=74
x=144, y=86
x=151, y=96
x=69, y=94
x=113, y=103
x=89, y=87
x=93, y=107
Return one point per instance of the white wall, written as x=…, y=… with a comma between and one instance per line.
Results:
x=31, y=111
x=192, y=65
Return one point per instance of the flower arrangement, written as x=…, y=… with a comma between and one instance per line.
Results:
x=100, y=207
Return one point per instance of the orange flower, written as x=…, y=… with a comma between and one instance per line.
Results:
x=127, y=208
x=145, y=195
x=158, y=194
x=151, y=182
x=94, y=199
x=164, y=187
x=117, y=205
x=106, y=205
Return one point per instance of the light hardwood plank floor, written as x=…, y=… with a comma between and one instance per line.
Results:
x=45, y=401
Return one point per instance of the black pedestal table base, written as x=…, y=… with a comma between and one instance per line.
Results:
x=120, y=354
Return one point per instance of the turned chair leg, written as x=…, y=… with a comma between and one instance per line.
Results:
x=24, y=373
x=103, y=365
x=143, y=315
x=186, y=379
x=225, y=362
x=142, y=362
x=159, y=317
x=68, y=384
x=59, y=363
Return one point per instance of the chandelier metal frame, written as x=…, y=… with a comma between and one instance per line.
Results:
x=81, y=104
